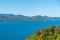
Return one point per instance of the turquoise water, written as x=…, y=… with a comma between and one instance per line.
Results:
x=21, y=30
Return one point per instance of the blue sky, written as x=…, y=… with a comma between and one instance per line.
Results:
x=30, y=7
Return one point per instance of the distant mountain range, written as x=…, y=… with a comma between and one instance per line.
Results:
x=11, y=17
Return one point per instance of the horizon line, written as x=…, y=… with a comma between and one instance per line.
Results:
x=29, y=16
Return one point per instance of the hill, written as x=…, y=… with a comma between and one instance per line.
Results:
x=51, y=33
x=11, y=17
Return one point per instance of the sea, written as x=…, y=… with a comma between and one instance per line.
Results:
x=23, y=29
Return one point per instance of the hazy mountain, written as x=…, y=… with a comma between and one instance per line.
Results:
x=11, y=17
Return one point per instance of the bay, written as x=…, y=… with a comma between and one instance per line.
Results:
x=21, y=30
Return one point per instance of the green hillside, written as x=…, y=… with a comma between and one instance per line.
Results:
x=51, y=33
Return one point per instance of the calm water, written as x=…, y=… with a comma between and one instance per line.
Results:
x=20, y=30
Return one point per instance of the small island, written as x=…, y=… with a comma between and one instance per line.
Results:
x=51, y=33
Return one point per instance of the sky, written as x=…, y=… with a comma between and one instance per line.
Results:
x=31, y=7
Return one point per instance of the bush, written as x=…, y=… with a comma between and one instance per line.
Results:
x=51, y=33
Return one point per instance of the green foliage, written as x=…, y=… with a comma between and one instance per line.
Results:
x=51, y=33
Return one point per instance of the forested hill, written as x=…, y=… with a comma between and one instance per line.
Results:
x=11, y=17
x=51, y=33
